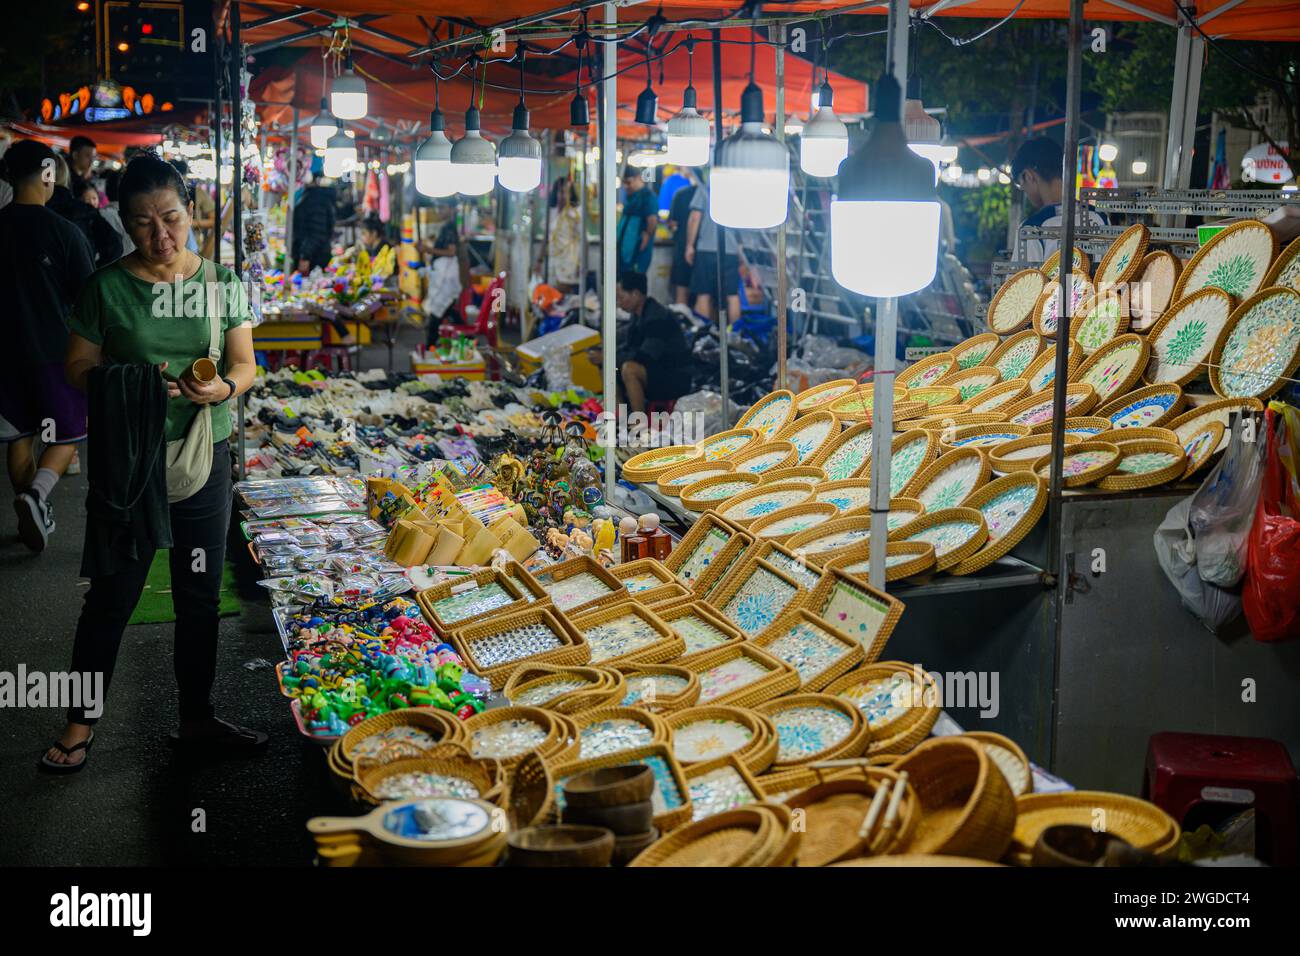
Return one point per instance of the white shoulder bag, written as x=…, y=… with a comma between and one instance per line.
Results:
x=189, y=459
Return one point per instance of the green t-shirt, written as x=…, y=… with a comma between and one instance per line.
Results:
x=137, y=321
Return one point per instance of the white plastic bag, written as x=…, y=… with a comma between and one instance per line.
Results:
x=1223, y=509
x=1177, y=551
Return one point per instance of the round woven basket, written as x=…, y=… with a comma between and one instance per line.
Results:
x=800, y=493
x=757, y=755
x=806, y=541
x=699, y=497
x=927, y=371
x=834, y=811
x=448, y=760
x=967, y=809
x=905, y=559
x=528, y=795
x=719, y=446
x=670, y=483
x=806, y=473
x=649, y=465
x=902, y=731
x=816, y=514
x=1043, y=466
x=812, y=399
x=1143, y=824
x=731, y=838
x=652, y=722
x=789, y=457
x=442, y=726
x=1118, y=436
x=1011, y=760
x=852, y=744
x=958, y=554
x=1005, y=461
x=554, y=740
x=969, y=354
x=1119, y=480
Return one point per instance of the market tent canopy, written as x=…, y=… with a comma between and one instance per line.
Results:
x=1225, y=19
x=113, y=138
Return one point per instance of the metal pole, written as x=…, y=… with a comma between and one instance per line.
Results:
x=882, y=384
x=548, y=152
x=237, y=180
x=216, y=146
x=782, y=280
x=608, y=262
x=724, y=373
x=582, y=231
x=1074, y=73
x=289, y=263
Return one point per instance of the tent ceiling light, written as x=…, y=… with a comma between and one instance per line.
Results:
x=825, y=140
x=473, y=159
x=520, y=156
x=348, y=99
x=688, y=134
x=340, y=154
x=647, y=107
x=322, y=127
x=750, y=185
x=433, y=175
x=1107, y=152
x=793, y=125
x=885, y=221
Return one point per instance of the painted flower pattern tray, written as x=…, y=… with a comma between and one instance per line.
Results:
x=1013, y=304
x=759, y=600
x=1234, y=260
x=1182, y=341
x=810, y=433
x=708, y=738
x=805, y=731
x=1261, y=348
x=764, y=503
x=954, y=482
x=718, y=790
x=769, y=414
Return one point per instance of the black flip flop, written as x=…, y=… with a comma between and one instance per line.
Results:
x=49, y=766
x=228, y=737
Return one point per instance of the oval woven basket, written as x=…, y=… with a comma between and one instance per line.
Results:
x=784, y=494
x=970, y=354
x=810, y=433
x=551, y=737
x=1125, y=478
x=727, y=443
x=672, y=481
x=444, y=760
x=1012, y=305
x=1020, y=454
x=820, y=544
x=731, y=838
x=927, y=371
x=993, y=399
x=1083, y=463
x=955, y=553
x=704, y=494
x=1143, y=824
x=806, y=473
x=439, y=724
x=903, y=560
x=899, y=701
x=835, y=810
x=769, y=414
x=682, y=687
x=709, y=723
x=649, y=465
x=814, y=399
x=791, y=741
x=780, y=526
x=767, y=456
x=603, y=731
x=967, y=808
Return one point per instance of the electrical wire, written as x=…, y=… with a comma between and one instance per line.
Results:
x=1214, y=44
x=963, y=41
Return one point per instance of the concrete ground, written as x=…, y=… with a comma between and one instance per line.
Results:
x=137, y=802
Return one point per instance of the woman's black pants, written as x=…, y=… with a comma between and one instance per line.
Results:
x=199, y=525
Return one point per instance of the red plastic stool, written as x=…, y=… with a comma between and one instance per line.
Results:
x=1186, y=771
x=653, y=407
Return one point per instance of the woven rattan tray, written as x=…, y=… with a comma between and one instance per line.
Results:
x=1048, y=310
x=810, y=434
x=1154, y=287
x=1041, y=372
x=567, y=597
x=851, y=605
x=1080, y=262
x=1184, y=338
x=991, y=400
x=1114, y=368
x=1013, y=304
x=785, y=523
x=1011, y=506
x=566, y=690
x=755, y=597
x=1147, y=407
x=799, y=565
x=1145, y=464
x=608, y=730
x=465, y=776
x=902, y=560
x=701, y=628
x=570, y=649
x=1010, y=359
x=971, y=354
x=834, y=810
x=742, y=675
x=1083, y=463
x=672, y=481
x=1259, y=350
x=768, y=456
x=812, y=727
x=628, y=633
x=647, y=580
x=721, y=784
x=1010, y=759
x=807, y=473
x=1201, y=446
x=769, y=414
x=1124, y=257
x=972, y=382
x=733, y=838
x=512, y=599
x=956, y=533
x=706, y=733
x=662, y=688
x=833, y=539
x=716, y=491
x=439, y=725
x=950, y=479
x=1239, y=275
x=927, y=371
x=706, y=551
x=899, y=701
x=909, y=453
x=649, y=465
x=818, y=650
x=727, y=443
x=511, y=733
x=1100, y=319
x=813, y=399
x=987, y=437
x=1020, y=454
x=1040, y=408
x=845, y=455
x=1118, y=436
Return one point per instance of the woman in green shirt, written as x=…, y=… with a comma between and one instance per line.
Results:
x=150, y=308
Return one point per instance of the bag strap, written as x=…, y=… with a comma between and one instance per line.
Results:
x=216, y=297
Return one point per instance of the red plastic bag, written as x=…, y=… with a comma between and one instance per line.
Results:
x=1271, y=597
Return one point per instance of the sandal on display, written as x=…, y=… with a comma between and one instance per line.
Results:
x=50, y=766
x=220, y=734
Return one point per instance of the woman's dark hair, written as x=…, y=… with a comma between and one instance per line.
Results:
x=112, y=180
x=146, y=174
x=373, y=223
x=25, y=159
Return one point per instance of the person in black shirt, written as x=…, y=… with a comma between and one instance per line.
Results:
x=679, y=215
x=652, y=354
x=44, y=261
x=104, y=240
x=313, y=227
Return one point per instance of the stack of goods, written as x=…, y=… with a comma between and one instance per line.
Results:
x=679, y=712
x=970, y=459
x=345, y=423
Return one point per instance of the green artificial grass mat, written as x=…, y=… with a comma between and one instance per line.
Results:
x=155, y=605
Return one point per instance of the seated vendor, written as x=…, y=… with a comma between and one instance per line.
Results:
x=652, y=354
x=374, y=236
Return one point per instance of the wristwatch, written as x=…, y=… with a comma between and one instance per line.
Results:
x=233, y=388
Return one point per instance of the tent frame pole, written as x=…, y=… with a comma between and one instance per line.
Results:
x=237, y=217
x=608, y=262
x=886, y=351
x=289, y=264
x=1074, y=81
x=1185, y=97
x=782, y=280
x=724, y=369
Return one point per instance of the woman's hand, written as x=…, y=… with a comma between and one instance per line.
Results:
x=209, y=393
x=173, y=388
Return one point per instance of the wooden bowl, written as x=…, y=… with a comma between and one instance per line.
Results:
x=610, y=786
x=628, y=847
x=560, y=844
x=629, y=819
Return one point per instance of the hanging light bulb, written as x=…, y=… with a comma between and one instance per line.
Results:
x=924, y=136
x=322, y=127
x=1107, y=152
x=433, y=174
x=647, y=103
x=520, y=156
x=348, y=99
x=688, y=131
x=340, y=153
x=825, y=140
x=750, y=184
x=885, y=222
x=473, y=158
x=793, y=125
